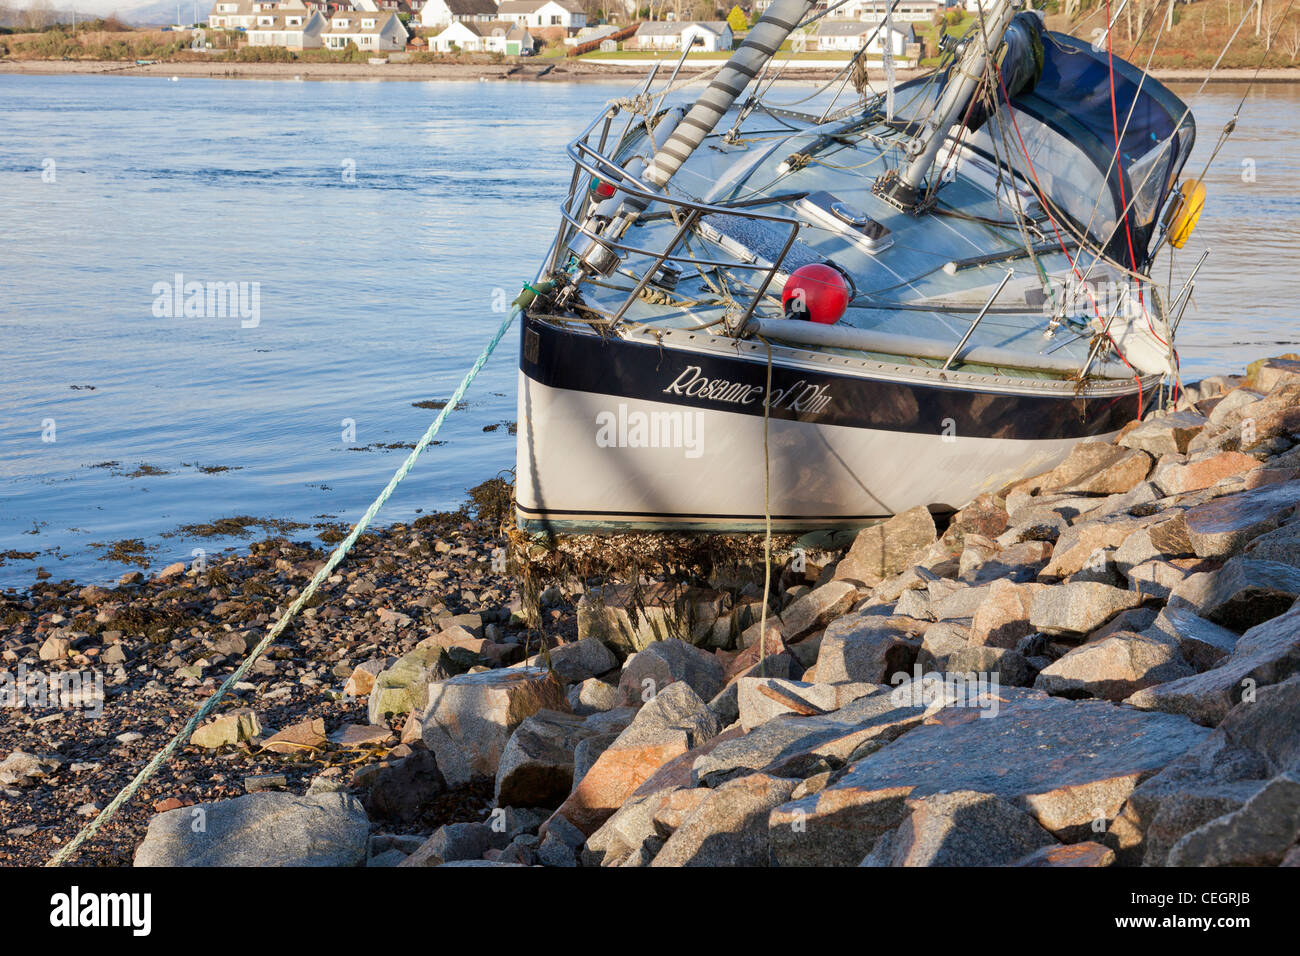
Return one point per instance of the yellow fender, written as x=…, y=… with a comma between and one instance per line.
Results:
x=1185, y=213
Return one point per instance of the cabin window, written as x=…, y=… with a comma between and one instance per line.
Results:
x=1152, y=175
x=1064, y=171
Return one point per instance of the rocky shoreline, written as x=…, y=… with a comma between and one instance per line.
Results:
x=1096, y=666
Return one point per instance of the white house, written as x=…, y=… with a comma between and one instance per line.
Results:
x=231, y=15
x=370, y=31
x=560, y=16
x=873, y=11
x=440, y=13
x=242, y=14
x=378, y=6
x=712, y=35
x=223, y=12
x=327, y=7
x=850, y=35
x=656, y=35
x=291, y=28
x=456, y=36
x=708, y=35
x=495, y=36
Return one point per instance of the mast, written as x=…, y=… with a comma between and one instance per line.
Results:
x=903, y=187
x=722, y=92
x=760, y=46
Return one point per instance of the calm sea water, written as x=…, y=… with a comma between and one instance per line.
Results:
x=381, y=222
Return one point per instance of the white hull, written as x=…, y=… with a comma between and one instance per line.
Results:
x=822, y=475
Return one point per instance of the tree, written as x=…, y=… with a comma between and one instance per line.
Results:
x=1291, y=44
x=1272, y=23
x=737, y=20
x=38, y=15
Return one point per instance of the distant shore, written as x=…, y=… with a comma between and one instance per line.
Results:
x=544, y=71
x=563, y=71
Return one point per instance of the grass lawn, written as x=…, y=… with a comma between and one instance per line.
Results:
x=927, y=32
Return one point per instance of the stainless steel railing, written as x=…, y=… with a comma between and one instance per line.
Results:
x=596, y=162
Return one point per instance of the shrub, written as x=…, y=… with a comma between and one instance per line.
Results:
x=264, y=54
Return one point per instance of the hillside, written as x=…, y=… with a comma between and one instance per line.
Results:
x=1198, y=32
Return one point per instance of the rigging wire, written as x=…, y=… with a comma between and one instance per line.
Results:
x=1105, y=326
x=1228, y=128
x=1019, y=212
x=1100, y=253
x=1114, y=160
x=1114, y=123
x=1020, y=220
x=992, y=68
x=1231, y=125
x=844, y=70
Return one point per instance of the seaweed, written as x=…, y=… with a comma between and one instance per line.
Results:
x=128, y=551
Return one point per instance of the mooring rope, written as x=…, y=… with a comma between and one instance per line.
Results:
x=318, y=578
x=767, y=520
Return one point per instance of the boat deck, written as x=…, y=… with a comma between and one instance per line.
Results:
x=903, y=290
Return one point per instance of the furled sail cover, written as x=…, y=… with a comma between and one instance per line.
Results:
x=1020, y=64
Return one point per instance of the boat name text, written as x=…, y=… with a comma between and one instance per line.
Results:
x=801, y=396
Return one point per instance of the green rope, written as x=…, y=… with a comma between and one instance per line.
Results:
x=325, y=571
